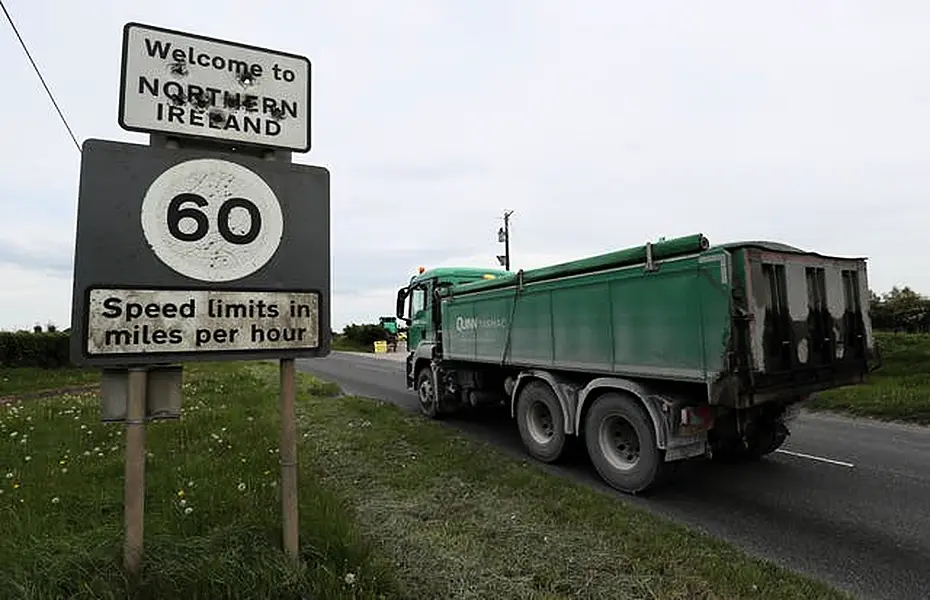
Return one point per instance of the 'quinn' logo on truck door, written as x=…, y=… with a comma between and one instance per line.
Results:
x=463, y=324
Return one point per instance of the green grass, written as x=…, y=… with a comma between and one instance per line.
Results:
x=899, y=391
x=408, y=507
x=461, y=519
x=212, y=525
x=15, y=381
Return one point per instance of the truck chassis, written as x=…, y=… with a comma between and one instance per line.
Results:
x=632, y=430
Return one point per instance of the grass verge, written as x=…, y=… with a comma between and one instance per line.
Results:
x=28, y=380
x=212, y=526
x=460, y=519
x=899, y=391
x=408, y=508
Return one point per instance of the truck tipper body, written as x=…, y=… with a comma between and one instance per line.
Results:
x=651, y=354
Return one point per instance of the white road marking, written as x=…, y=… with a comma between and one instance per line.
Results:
x=838, y=463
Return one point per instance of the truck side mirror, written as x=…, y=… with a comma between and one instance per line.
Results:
x=401, y=300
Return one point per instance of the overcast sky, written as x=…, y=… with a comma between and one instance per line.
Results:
x=602, y=124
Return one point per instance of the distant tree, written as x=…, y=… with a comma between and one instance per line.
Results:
x=365, y=334
x=900, y=310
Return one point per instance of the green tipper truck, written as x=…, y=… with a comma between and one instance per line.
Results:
x=390, y=326
x=652, y=354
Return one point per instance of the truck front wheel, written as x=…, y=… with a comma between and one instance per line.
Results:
x=426, y=392
x=541, y=422
x=621, y=443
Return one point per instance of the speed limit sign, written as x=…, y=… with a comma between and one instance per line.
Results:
x=194, y=254
x=212, y=220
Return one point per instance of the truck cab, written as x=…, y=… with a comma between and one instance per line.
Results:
x=417, y=300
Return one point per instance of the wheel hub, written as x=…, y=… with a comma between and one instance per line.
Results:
x=619, y=443
x=540, y=423
x=426, y=393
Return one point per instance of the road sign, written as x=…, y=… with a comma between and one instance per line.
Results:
x=190, y=219
x=183, y=84
x=186, y=254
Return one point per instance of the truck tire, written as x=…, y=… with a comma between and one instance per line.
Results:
x=621, y=443
x=728, y=450
x=541, y=422
x=761, y=440
x=426, y=392
x=765, y=440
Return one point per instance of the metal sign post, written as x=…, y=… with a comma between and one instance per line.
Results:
x=134, y=488
x=288, y=449
x=207, y=244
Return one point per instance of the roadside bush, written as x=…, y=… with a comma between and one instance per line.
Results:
x=365, y=335
x=47, y=350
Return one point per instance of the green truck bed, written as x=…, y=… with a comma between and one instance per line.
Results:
x=607, y=314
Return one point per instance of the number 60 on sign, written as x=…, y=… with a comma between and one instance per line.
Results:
x=212, y=220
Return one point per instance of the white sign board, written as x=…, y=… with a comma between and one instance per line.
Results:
x=134, y=321
x=188, y=85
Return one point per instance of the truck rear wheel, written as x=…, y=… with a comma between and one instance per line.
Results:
x=541, y=422
x=765, y=439
x=622, y=444
x=761, y=440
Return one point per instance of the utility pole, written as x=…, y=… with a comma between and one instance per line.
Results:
x=503, y=236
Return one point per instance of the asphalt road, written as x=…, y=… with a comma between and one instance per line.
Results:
x=846, y=501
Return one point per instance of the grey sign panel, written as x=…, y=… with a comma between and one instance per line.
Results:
x=189, y=254
x=190, y=85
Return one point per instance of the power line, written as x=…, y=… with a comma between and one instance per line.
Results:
x=39, y=73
